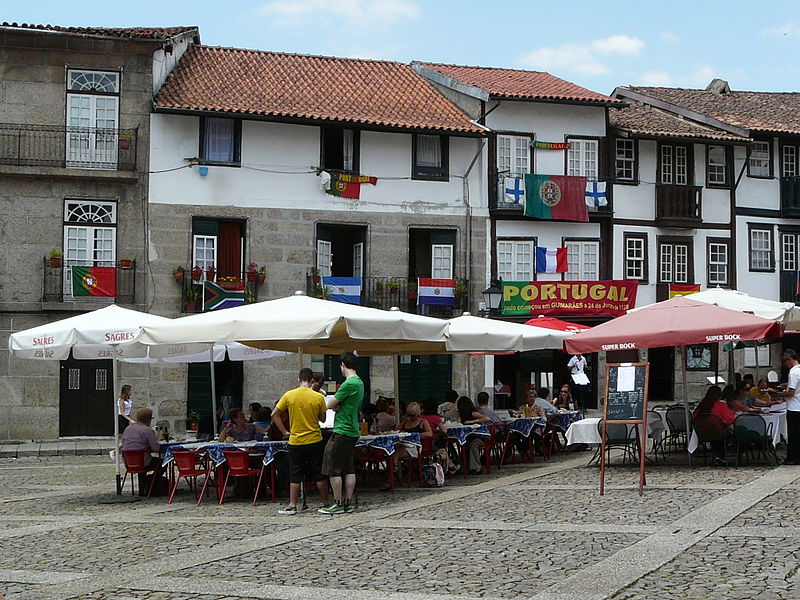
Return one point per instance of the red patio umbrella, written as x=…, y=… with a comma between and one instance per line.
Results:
x=553, y=323
x=679, y=321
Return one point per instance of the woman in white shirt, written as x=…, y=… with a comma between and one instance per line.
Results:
x=124, y=407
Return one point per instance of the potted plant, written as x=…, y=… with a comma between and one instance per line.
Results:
x=55, y=258
x=461, y=289
x=262, y=274
x=193, y=420
x=190, y=297
x=252, y=272
x=177, y=273
x=412, y=290
x=315, y=279
x=229, y=282
x=211, y=272
x=197, y=273
x=125, y=263
x=323, y=292
x=125, y=141
x=249, y=296
x=393, y=285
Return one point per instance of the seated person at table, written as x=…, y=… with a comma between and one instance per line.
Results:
x=414, y=423
x=205, y=429
x=759, y=395
x=564, y=398
x=736, y=397
x=384, y=420
x=238, y=428
x=714, y=403
x=262, y=422
x=469, y=415
x=254, y=407
x=140, y=436
x=448, y=409
x=431, y=414
x=483, y=407
x=541, y=402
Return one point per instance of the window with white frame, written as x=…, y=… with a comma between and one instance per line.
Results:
x=718, y=262
x=636, y=256
x=789, y=247
x=583, y=158
x=92, y=136
x=717, y=166
x=674, y=163
x=673, y=262
x=760, y=249
x=515, y=260
x=513, y=155
x=624, y=160
x=442, y=261
x=90, y=233
x=583, y=260
x=759, y=163
x=204, y=252
x=789, y=161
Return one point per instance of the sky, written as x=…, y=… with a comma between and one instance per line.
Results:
x=599, y=45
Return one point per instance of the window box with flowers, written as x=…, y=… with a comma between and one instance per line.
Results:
x=230, y=282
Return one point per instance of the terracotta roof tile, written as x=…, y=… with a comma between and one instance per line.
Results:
x=518, y=84
x=371, y=92
x=776, y=112
x=643, y=120
x=144, y=33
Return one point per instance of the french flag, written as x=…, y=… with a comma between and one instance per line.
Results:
x=551, y=260
x=436, y=291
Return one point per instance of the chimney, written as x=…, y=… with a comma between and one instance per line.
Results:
x=719, y=87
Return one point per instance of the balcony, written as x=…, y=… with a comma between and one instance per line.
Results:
x=386, y=292
x=67, y=147
x=191, y=287
x=788, y=287
x=678, y=205
x=790, y=197
x=64, y=283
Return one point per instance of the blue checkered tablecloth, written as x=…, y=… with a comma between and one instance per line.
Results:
x=525, y=426
x=387, y=441
x=565, y=419
x=460, y=433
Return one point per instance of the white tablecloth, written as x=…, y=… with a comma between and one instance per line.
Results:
x=778, y=420
x=585, y=431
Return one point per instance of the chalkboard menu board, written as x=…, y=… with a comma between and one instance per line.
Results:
x=626, y=392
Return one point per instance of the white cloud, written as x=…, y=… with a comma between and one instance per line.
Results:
x=702, y=75
x=788, y=28
x=365, y=12
x=583, y=58
x=669, y=36
x=656, y=78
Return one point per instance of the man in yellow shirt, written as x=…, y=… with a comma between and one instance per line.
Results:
x=306, y=410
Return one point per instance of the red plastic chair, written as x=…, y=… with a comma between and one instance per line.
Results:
x=238, y=464
x=191, y=464
x=495, y=445
x=415, y=462
x=136, y=462
x=261, y=474
x=370, y=463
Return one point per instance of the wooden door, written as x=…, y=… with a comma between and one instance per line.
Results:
x=86, y=398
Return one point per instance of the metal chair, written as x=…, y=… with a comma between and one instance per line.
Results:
x=709, y=429
x=619, y=435
x=751, y=432
x=191, y=464
x=680, y=424
x=658, y=443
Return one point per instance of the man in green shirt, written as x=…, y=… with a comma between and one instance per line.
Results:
x=339, y=460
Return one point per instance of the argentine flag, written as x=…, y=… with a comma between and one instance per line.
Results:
x=343, y=289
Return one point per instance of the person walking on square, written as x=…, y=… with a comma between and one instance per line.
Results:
x=792, y=394
x=577, y=367
x=339, y=460
x=306, y=409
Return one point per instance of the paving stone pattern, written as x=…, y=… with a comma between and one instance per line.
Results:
x=59, y=543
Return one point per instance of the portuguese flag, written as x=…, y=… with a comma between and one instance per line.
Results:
x=346, y=185
x=558, y=197
x=94, y=281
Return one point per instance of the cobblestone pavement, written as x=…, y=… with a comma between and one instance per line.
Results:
x=528, y=531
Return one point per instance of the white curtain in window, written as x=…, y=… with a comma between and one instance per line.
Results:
x=429, y=151
x=347, y=149
x=218, y=142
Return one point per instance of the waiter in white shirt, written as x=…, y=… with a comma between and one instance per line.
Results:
x=577, y=365
x=792, y=394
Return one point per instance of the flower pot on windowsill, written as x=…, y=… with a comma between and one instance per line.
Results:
x=178, y=275
x=190, y=307
x=211, y=274
x=197, y=273
x=125, y=263
x=193, y=426
x=252, y=276
x=55, y=262
x=261, y=278
x=124, y=142
x=230, y=285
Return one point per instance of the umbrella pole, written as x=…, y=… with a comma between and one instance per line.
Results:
x=299, y=358
x=469, y=377
x=213, y=390
x=116, y=418
x=685, y=395
x=396, y=390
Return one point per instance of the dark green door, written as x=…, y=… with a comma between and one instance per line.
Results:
x=228, y=378
x=423, y=375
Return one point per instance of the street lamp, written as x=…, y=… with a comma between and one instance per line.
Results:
x=492, y=296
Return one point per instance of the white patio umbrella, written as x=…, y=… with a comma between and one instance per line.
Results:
x=785, y=312
x=109, y=332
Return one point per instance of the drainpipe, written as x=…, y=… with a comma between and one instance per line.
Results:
x=468, y=210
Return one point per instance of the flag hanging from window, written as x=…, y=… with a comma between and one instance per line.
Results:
x=514, y=190
x=596, y=194
x=551, y=260
x=556, y=197
x=343, y=289
x=345, y=185
x=216, y=297
x=94, y=281
x=436, y=291
x=683, y=289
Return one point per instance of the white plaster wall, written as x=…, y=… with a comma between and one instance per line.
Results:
x=163, y=63
x=277, y=160
x=756, y=192
x=758, y=283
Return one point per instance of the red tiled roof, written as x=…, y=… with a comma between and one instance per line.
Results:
x=642, y=120
x=523, y=85
x=776, y=112
x=144, y=33
x=372, y=92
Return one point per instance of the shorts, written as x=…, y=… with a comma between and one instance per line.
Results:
x=305, y=462
x=339, y=455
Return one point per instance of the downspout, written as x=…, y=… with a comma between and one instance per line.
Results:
x=468, y=211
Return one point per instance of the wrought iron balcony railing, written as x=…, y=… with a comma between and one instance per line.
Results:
x=66, y=146
x=83, y=281
x=192, y=292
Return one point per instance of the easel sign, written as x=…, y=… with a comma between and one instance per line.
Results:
x=626, y=402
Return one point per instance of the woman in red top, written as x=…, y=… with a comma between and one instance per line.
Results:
x=715, y=403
